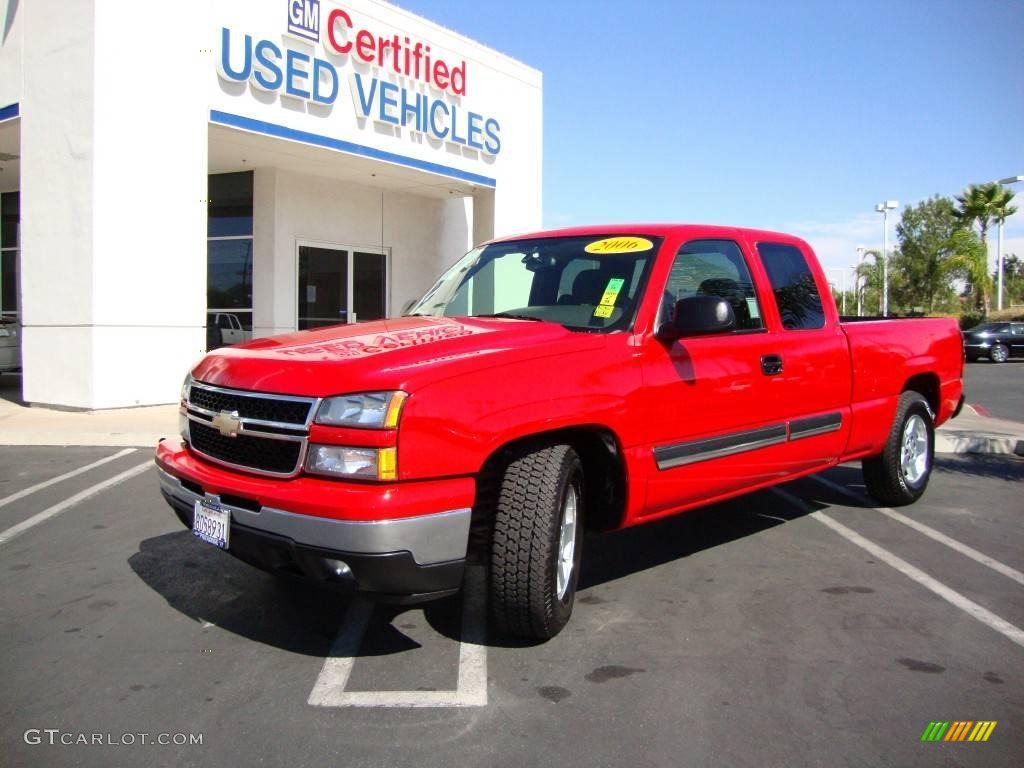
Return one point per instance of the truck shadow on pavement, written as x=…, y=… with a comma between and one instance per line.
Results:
x=618, y=554
x=210, y=586
x=1007, y=468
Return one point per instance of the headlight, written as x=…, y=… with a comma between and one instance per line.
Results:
x=346, y=461
x=371, y=410
x=182, y=413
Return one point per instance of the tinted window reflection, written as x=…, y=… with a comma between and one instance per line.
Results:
x=229, y=274
x=9, y=205
x=230, y=208
x=796, y=293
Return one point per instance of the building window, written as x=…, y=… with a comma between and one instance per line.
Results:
x=9, y=222
x=229, y=259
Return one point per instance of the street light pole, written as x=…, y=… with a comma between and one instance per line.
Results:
x=884, y=208
x=860, y=288
x=999, y=242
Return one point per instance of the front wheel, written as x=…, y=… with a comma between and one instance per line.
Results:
x=899, y=474
x=538, y=531
x=999, y=353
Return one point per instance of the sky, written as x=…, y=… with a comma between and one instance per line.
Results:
x=778, y=114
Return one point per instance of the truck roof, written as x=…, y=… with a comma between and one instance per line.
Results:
x=659, y=230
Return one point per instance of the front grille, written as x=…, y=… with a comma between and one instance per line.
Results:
x=258, y=453
x=254, y=406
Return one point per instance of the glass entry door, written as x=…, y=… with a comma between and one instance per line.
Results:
x=340, y=285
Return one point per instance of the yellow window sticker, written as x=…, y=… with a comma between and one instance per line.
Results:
x=612, y=245
x=611, y=291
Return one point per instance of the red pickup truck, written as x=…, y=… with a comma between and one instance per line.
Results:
x=591, y=378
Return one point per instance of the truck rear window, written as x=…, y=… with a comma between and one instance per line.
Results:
x=796, y=293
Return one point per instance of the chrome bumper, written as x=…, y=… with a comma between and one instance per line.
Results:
x=434, y=538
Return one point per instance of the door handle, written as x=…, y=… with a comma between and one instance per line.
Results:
x=771, y=365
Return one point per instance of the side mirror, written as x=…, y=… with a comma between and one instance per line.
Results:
x=698, y=316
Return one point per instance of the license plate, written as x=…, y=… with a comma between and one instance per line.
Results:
x=212, y=524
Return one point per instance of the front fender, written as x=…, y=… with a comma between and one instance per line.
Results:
x=453, y=426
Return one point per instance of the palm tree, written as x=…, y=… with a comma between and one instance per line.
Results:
x=970, y=261
x=977, y=204
x=983, y=204
x=869, y=276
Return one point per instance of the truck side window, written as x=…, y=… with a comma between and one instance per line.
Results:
x=714, y=268
x=796, y=293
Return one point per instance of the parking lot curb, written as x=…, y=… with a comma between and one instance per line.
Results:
x=968, y=442
x=974, y=431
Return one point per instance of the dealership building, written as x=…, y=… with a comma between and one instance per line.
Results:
x=175, y=177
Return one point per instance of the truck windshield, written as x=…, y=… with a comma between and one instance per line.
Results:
x=587, y=283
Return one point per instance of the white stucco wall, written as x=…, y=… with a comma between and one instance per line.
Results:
x=115, y=132
x=113, y=219
x=423, y=235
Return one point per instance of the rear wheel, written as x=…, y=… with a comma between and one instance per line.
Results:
x=999, y=353
x=899, y=474
x=538, y=530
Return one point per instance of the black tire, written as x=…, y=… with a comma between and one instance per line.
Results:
x=999, y=353
x=525, y=551
x=884, y=474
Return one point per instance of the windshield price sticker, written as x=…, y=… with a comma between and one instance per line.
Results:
x=611, y=245
x=611, y=293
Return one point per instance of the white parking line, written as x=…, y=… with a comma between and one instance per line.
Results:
x=56, y=509
x=931, y=533
x=338, y=666
x=329, y=689
x=66, y=476
x=965, y=604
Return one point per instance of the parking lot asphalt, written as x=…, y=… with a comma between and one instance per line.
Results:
x=997, y=387
x=756, y=632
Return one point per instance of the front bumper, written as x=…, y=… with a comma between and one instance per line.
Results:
x=332, y=532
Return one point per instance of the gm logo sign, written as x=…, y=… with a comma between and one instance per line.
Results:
x=304, y=19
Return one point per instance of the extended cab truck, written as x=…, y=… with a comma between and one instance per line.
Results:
x=584, y=378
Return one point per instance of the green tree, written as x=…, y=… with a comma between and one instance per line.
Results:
x=1001, y=211
x=923, y=265
x=969, y=261
x=980, y=205
x=869, y=273
x=1013, y=279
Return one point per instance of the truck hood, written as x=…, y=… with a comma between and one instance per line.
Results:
x=403, y=353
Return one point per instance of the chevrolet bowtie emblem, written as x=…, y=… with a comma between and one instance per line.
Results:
x=227, y=423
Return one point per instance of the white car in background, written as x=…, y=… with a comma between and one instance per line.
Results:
x=10, y=345
x=223, y=328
